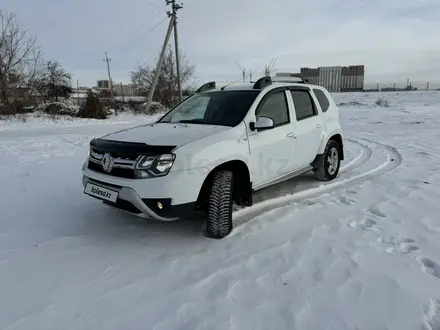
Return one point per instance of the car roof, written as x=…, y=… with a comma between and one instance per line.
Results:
x=250, y=86
x=264, y=83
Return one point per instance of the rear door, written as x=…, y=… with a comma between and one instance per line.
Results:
x=309, y=127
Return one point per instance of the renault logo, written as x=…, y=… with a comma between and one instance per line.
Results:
x=107, y=163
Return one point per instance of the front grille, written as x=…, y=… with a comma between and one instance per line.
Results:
x=119, y=172
x=124, y=156
x=120, y=166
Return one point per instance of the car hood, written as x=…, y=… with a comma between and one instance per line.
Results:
x=165, y=134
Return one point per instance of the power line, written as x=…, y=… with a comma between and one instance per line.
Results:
x=145, y=24
x=152, y=4
x=134, y=42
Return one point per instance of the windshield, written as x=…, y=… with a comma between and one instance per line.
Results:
x=225, y=108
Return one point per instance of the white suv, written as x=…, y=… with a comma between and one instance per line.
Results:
x=215, y=148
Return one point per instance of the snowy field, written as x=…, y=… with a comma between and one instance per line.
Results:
x=361, y=252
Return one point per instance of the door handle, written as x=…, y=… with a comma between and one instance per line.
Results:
x=291, y=135
x=319, y=126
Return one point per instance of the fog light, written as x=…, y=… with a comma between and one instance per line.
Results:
x=159, y=205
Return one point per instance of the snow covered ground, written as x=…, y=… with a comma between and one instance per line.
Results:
x=361, y=252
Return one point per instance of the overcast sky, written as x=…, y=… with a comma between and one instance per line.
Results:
x=395, y=39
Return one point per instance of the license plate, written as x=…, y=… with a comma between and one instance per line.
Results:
x=101, y=193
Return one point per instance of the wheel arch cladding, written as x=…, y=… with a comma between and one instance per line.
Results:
x=242, y=183
x=338, y=139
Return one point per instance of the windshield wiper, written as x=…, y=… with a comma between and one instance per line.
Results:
x=192, y=121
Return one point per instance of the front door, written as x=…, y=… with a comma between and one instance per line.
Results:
x=273, y=150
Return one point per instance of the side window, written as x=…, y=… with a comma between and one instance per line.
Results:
x=304, y=106
x=275, y=107
x=322, y=99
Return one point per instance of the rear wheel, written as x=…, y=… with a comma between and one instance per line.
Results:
x=220, y=205
x=329, y=162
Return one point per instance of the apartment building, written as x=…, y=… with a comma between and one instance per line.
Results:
x=330, y=77
x=335, y=78
x=352, y=78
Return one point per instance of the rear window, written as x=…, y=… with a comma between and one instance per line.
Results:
x=322, y=99
x=304, y=106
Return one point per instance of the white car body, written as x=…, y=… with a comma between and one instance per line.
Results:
x=260, y=158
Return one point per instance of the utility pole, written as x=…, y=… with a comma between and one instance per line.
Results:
x=243, y=71
x=250, y=75
x=175, y=7
x=77, y=90
x=268, y=68
x=106, y=59
x=122, y=91
x=160, y=61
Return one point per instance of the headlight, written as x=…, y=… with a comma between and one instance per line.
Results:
x=154, y=166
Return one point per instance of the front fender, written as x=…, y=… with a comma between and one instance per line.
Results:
x=213, y=150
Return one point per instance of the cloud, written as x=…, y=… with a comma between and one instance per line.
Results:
x=392, y=38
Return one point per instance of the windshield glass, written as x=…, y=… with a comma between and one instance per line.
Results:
x=225, y=108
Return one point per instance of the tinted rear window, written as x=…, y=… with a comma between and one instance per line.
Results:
x=303, y=104
x=322, y=99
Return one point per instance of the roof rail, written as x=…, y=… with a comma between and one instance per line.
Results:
x=303, y=80
x=206, y=87
x=263, y=82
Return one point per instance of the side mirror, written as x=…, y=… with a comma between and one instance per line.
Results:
x=263, y=123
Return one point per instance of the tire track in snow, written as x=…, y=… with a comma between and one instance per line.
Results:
x=394, y=159
x=432, y=315
x=359, y=160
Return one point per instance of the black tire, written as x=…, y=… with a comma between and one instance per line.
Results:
x=220, y=205
x=323, y=171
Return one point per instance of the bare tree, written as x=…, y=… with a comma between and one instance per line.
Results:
x=55, y=81
x=166, y=90
x=21, y=63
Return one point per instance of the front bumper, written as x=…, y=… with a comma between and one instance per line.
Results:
x=128, y=200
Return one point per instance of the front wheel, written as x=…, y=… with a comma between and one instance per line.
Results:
x=220, y=205
x=329, y=162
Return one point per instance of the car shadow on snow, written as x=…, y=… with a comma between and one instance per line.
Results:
x=108, y=220
x=111, y=223
x=287, y=187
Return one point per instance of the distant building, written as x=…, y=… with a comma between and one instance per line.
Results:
x=352, y=78
x=312, y=75
x=104, y=84
x=333, y=78
x=125, y=90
